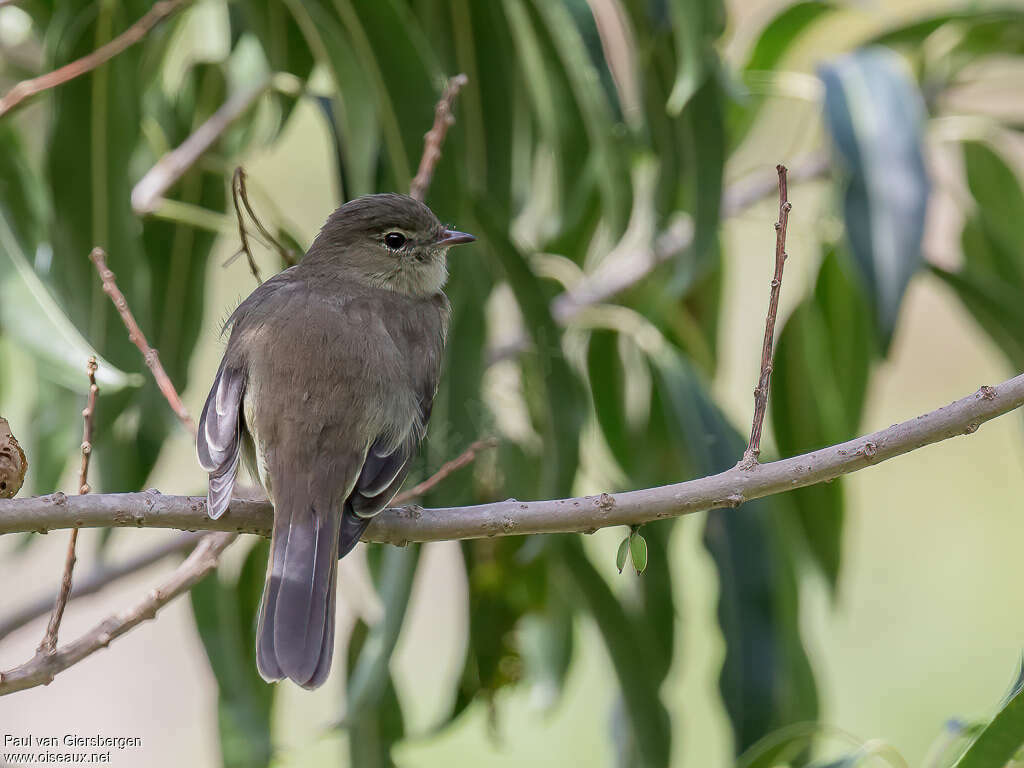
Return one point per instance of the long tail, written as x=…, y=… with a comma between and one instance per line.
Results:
x=295, y=638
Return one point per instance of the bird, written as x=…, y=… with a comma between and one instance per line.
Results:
x=325, y=390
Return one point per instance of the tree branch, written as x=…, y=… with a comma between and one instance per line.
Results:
x=103, y=54
x=163, y=381
x=43, y=668
x=589, y=513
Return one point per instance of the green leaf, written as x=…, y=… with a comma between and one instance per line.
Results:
x=995, y=305
x=818, y=386
x=630, y=651
x=996, y=230
x=696, y=24
x=378, y=729
x=562, y=393
x=875, y=115
x=607, y=379
x=766, y=680
x=371, y=674
x=31, y=317
x=620, y=557
x=775, y=40
x=1001, y=739
x=638, y=552
x=546, y=645
x=226, y=615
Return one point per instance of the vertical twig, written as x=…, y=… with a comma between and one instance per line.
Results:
x=163, y=381
x=749, y=460
x=434, y=138
x=49, y=644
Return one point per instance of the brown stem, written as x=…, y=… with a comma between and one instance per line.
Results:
x=163, y=381
x=97, y=579
x=466, y=457
x=749, y=460
x=89, y=62
x=41, y=669
x=434, y=139
x=53, y=628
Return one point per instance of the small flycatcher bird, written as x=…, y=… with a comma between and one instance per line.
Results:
x=326, y=387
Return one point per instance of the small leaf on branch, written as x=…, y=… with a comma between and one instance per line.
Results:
x=620, y=558
x=638, y=552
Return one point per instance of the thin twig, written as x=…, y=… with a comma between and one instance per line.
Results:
x=466, y=457
x=434, y=138
x=505, y=518
x=163, y=381
x=26, y=88
x=42, y=669
x=749, y=460
x=98, y=579
x=49, y=642
x=237, y=185
x=148, y=193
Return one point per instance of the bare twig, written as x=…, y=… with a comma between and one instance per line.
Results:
x=749, y=460
x=27, y=88
x=163, y=381
x=237, y=185
x=13, y=464
x=99, y=578
x=443, y=120
x=588, y=513
x=49, y=642
x=240, y=198
x=468, y=456
x=43, y=668
x=148, y=193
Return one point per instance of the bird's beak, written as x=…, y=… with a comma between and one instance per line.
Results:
x=452, y=237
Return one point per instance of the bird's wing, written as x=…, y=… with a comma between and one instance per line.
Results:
x=219, y=438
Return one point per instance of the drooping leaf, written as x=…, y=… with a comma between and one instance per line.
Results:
x=775, y=40
x=766, y=680
x=629, y=647
x=562, y=396
x=992, y=237
x=696, y=24
x=226, y=614
x=822, y=360
x=995, y=305
x=875, y=116
x=370, y=674
x=1001, y=740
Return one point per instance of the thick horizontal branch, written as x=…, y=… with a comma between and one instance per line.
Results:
x=399, y=526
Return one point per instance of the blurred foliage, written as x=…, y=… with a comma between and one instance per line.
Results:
x=586, y=124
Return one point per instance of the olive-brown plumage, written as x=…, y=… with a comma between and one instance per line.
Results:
x=326, y=387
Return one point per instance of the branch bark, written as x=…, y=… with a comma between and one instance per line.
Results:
x=585, y=514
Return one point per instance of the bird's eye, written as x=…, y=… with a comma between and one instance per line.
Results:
x=394, y=240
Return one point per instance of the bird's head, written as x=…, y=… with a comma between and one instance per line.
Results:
x=389, y=241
